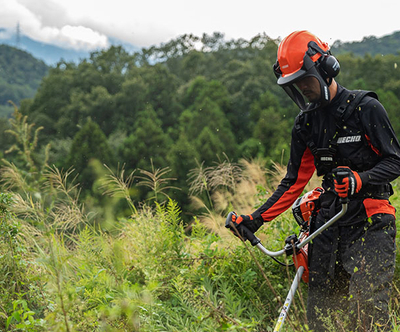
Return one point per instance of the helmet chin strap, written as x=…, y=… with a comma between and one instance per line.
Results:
x=325, y=93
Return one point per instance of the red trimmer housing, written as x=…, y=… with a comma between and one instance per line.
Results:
x=304, y=209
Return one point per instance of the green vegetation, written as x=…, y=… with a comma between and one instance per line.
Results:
x=190, y=101
x=371, y=45
x=20, y=76
x=117, y=175
x=149, y=271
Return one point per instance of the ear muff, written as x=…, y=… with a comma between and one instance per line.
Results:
x=328, y=64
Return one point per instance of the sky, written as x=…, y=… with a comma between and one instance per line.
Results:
x=88, y=24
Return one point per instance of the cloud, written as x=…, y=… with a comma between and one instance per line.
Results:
x=77, y=37
x=85, y=24
x=82, y=37
x=49, y=24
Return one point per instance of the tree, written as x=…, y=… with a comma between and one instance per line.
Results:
x=20, y=76
x=112, y=65
x=146, y=144
x=182, y=158
x=392, y=105
x=89, y=143
x=98, y=104
x=161, y=93
x=206, y=126
x=273, y=132
x=51, y=98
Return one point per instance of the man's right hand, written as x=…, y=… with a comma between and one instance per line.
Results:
x=248, y=221
x=244, y=226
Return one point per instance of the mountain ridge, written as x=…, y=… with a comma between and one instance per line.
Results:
x=388, y=44
x=52, y=54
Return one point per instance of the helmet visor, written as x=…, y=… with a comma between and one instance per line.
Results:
x=288, y=83
x=304, y=71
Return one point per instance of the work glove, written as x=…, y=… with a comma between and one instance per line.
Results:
x=251, y=221
x=347, y=182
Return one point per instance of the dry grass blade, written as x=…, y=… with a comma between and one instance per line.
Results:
x=234, y=186
x=12, y=178
x=198, y=180
x=22, y=131
x=67, y=213
x=254, y=170
x=67, y=217
x=156, y=181
x=59, y=181
x=27, y=208
x=117, y=185
x=225, y=174
x=211, y=219
x=277, y=174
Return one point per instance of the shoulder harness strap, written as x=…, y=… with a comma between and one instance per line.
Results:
x=343, y=112
x=346, y=109
x=350, y=103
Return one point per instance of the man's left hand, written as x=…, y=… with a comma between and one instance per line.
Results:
x=347, y=182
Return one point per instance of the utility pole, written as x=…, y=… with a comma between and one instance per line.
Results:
x=18, y=35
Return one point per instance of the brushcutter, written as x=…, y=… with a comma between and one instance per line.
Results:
x=304, y=209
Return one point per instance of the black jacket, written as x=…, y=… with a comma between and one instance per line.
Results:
x=364, y=141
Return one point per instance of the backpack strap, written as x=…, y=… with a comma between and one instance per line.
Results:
x=326, y=156
x=346, y=109
x=349, y=104
x=342, y=113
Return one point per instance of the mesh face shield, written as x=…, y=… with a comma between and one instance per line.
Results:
x=309, y=68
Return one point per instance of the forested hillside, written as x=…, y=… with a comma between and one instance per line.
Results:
x=20, y=76
x=117, y=175
x=371, y=45
x=189, y=102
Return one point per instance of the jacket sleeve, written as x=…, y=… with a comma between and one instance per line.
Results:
x=383, y=141
x=299, y=171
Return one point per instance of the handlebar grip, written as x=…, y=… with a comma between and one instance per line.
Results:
x=241, y=229
x=341, y=175
x=339, y=178
x=249, y=235
x=228, y=220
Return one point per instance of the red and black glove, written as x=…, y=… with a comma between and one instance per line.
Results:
x=347, y=182
x=244, y=226
x=249, y=221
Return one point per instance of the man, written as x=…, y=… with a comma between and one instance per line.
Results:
x=338, y=132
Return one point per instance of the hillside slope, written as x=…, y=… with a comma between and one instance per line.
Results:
x=389, y=44
x=20, y=75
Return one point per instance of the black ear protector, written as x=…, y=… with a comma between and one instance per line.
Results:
x=328, y=64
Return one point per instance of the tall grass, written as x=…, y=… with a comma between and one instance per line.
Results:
x=149, y=274
x=150, y=271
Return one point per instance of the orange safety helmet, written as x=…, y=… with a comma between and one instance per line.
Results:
x=302, y=54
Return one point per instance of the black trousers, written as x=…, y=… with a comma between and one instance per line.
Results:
x=351, y=271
